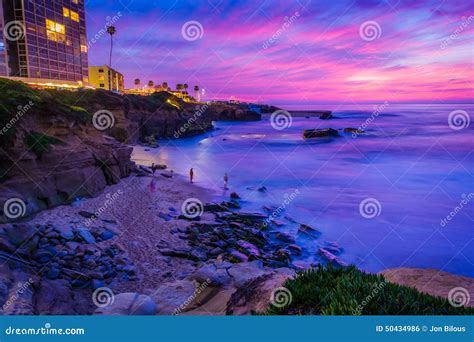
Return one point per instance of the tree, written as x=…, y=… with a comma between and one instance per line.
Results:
x=179, y=87
x=111, y=30
x=185, y=87
x=151, y=84
x=137, y=82
x=165, y=85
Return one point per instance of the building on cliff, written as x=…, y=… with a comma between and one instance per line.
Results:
x=43, y=42
x=104, y=77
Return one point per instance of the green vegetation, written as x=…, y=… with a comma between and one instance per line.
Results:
x=15, y=100
x=40, y=143
x=349, y=291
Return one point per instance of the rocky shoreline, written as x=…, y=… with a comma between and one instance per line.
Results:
x=150, y=258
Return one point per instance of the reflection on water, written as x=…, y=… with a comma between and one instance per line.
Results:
x=409, y=160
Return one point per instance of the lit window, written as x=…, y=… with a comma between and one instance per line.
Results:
x=55, y=27
x=66, y=12
x=75, y=1
x=75, y=16
x=83, y=48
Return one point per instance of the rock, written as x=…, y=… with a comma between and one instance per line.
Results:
x=326, y=115
x=128, y=304
x=173, y=296
x=164, y=216
x=53, y=273
x=353, y=130
x=107, y=235
x=249, y=249
x=262, y=189
x=56, y=297
x=243, y=272
x=434, y=282
x=295, y=249
x=213, y=275
x=236, y=256
x=285, y=237
x=86, y=235
x=97, y=284
x=86, y=214
x=320, y=133
x=234, y=195
x=64, y=231
x=255, y=295
x=18, y=234
x=328, y=256
x=278, y=223
x=308, y=230
x=178, y=253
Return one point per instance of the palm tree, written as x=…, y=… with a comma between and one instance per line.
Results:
x=111, y=30
x=196, y=93
x=165, y=85
x=137, y=82
x=151, y=84
x=185, y=86
x=179, y=87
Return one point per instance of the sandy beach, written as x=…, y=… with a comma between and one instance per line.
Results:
x=135, y=205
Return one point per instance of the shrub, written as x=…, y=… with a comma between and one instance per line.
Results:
x=40, y=143
x=349, y=291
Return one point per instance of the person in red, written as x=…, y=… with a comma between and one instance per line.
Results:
x=191, y=175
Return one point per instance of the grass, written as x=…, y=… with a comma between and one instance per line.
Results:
x=39, y=143
x=349, y=291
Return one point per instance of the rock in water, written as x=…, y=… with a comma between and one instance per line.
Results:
x=320, y=133
x=331, y=258
x=248, y=248
x=326, y=115
x=353, y=130
x=234, y=195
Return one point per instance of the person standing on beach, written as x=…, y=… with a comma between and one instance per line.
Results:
x=226, y=181
x=153, y=169
x=191, y=175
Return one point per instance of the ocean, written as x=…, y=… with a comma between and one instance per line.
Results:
x=399, y=195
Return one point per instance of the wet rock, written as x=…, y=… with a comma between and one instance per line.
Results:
x=295, y=249
x=262, y=189
x=107, y=235
x=320, y=133
x=308, y=230
x=129, y=304
x=325, y=115
x=353, y=130
x=249, y=249
x=64, y=231
x=285, y=237
x=178, y=253
x=329, y=257
x=234, y=195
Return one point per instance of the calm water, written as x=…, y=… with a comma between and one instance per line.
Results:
x=410, y=161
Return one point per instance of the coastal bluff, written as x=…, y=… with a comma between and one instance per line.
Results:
x=57, y=146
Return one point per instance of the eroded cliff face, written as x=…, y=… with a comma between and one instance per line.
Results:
x=57, y=146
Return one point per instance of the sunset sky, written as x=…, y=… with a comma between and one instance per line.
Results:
x=422, y=51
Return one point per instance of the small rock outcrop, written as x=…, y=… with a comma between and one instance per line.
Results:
x=320, y=133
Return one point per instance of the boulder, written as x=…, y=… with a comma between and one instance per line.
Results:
x=249, y=249
x=255, y=295
x=171, y=297
x=320, y=133
x=353, y=130
x=129, y=304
